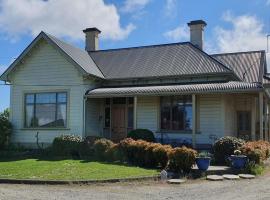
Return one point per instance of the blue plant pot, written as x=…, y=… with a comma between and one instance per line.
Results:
x=238, y=162
x=203, y=163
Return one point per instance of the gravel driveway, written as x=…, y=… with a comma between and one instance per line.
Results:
x=256, y=189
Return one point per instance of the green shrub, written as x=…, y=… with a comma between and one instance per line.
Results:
x=256, y=151
x=101, y=146
x=181, y=159
x=66, y=145
x=86, y=149
x=5, y=128
x=142, y=134
x=225, y=147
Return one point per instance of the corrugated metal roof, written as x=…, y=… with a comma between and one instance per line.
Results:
x=81, y=57
x=156, y=61
x=174, y=89
x=247, y=65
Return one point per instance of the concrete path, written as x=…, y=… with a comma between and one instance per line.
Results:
x=258, y=189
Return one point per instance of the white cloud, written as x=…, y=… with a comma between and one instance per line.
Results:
x=61, y=18
x=170, y=8
x=246, y=34
x=180, y=33
x=268, y=2
x=134, y=5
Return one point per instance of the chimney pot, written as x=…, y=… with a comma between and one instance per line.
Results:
x=197, y=32
x=91, y=38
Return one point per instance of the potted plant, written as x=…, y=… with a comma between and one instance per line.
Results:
x=203, y=161
x=238, y=160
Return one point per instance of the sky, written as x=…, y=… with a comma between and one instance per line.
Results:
x=232, y=25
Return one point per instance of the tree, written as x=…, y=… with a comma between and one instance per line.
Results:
x=5, y=128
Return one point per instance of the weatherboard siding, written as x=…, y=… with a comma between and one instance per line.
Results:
x=46, y=66
x=147, y=113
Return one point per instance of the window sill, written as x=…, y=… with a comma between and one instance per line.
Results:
x=42, y=129
x=177, y=132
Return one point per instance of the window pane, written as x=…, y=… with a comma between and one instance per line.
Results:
x=107, y=117
x=188, y=118
x=178, y=113
x=29, y=98
x=107, y=101
x=121, y=100
x=45, y=114
x=61, y=97
x=29, y=116
x=130, y=117
x=165, y=112
x=130, y=100
x=61, y=115
x=46, y=98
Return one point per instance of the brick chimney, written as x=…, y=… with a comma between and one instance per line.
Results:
x=91, y=39
x=196, y=32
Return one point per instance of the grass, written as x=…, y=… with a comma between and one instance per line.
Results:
x=68, y=170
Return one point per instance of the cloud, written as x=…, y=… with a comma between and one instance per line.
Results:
x=134, y=5
x=180, y=33
x=246, y=34
x=268, y=2
x=60, y=18
x=170, y=8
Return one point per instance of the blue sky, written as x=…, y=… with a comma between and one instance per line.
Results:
x=233, y=25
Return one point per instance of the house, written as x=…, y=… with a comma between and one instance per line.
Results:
x=177, y=90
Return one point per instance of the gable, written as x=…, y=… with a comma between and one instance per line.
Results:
x=79, y=58
x=45, y=65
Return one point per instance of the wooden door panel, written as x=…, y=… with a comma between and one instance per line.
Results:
x=118, y=123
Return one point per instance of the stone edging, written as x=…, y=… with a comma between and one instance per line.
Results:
x=69, y=182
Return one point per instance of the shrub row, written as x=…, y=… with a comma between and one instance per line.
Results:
x=5, y=128
x=256, y=151
x=146, y=154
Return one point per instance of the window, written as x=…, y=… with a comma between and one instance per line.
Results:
x=46, y=110
x=107, y=113
x=176, y=113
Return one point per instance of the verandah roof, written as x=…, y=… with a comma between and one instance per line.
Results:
x=174, y=89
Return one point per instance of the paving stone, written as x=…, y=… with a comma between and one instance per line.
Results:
x=176, y=181
x=214, y=178
x=231, y=176
x=246, y=176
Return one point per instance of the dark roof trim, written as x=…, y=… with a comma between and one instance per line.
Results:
x=91, y=30
x=196, y=22
x=239, y=52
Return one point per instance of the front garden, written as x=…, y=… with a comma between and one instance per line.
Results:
x=71, y=157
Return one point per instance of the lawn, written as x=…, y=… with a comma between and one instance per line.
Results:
x=68, y=170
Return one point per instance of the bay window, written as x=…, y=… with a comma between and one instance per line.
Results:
x=46, y=110
x=176, y=113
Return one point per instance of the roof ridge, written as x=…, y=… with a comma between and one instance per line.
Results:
x=138, y=47
x=210, y=56
x=239, y=52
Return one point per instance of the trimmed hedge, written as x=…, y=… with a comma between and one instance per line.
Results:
x=101, y=147
x=181, y=159
x=5, y=128
x=256, y=151
x=142, y=134
x=225, y=147
x=66, y=145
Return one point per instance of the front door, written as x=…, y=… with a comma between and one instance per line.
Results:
x=244, y=125
x=118, y=123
